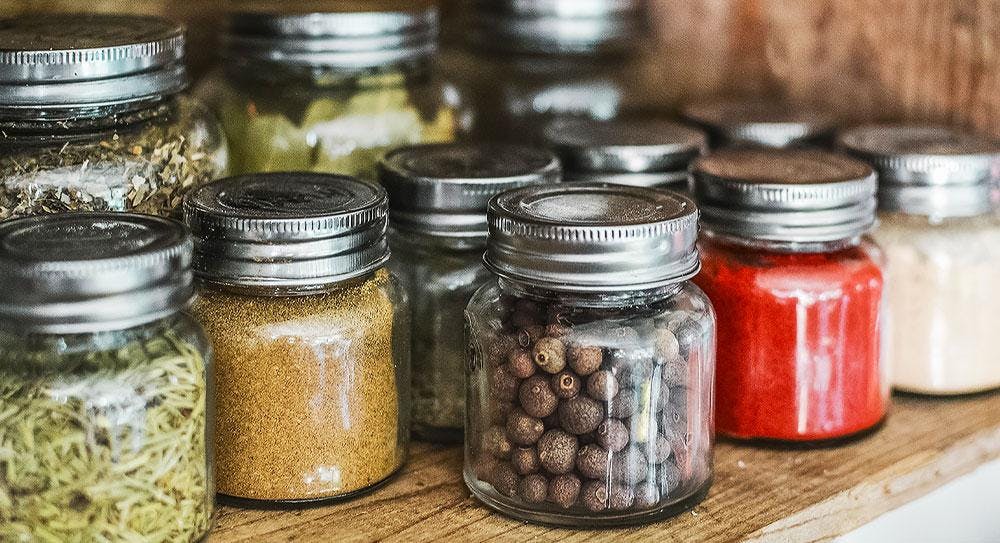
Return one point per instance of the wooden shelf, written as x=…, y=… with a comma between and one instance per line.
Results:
x=759, y=494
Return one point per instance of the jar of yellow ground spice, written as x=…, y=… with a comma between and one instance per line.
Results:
x=310, y=331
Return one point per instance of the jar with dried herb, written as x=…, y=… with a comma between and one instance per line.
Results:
x=437, y=218
x=310, y=333
x=92, y=117
x=592, y=358
x=105, y=390
x=328, y=91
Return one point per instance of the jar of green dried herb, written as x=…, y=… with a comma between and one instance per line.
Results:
x=310, y=334
x=437, y=218
x=105, y=391
x=328, y=91
x=92, y=117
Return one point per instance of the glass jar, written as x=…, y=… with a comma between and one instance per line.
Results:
x=797, y=291
x=105, y=385
x=941, y=235
x=762, y=123
x=640, y=152
x=329, y=92
x=437, y=217
x=310, y=332
x=92, y=119
x=590, y=377
x=525, y=63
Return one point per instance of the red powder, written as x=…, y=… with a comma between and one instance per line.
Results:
x=798, y=341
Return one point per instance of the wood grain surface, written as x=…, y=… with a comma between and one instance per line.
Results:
x=760, y=494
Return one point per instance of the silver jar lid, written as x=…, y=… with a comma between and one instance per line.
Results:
x=638, y=152
x=77, y=273
x=592, y=237
x=345, y=40
x=443, y=189
x=760, y=123
x=558, y=26
x=928, y=170
x=287, y=230
x=74, y=61
x=794, y=196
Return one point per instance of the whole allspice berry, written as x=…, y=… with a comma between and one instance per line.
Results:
x=505, y=479
x=593, y=462
x=647, y=495
x=602, y=385
x=503, y=384
x=534, y=488
x=557, y=451
x=584, y=360
x=657, y=449
x=625, y=404
x=621, y=497
x=666, y=345
x=500, y=348
x=523, y=429
x=549, y=354
x=675, y=373
x=564, y=490
x=557, y=330
x=525, y=460
x=528, y=335
x=496, y=443
x=566, y=384
x=612, y=435
x=580, y=415
x=594, y=495
x=628, y=466
x=536, y=396
x=484, y=467
x=521, y=364
x=669, y=478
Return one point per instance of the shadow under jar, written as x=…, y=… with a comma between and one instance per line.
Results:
x=92, y=117
x=437, y=217
x=310, y=334
x=329, y=91
x=591, y=359
x=105, y=384
x=798, y=293
x=940, y=232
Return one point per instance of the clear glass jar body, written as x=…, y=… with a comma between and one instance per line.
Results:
x=107, y=436
x=313, y=388
x=440, y=276
x=142, y=160
x=281, y=117
x=943, y=290
x=800, y=350
x=589, y=410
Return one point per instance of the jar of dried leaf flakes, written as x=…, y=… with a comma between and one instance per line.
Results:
x=310, y=331
x=105, y=390
x=91, y=118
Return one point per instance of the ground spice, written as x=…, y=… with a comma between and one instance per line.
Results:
x=798, y=348
x=308, y=404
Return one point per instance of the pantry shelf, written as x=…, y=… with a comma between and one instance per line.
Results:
x=760, y=493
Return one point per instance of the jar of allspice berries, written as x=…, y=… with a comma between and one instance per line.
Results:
x=437, y=231
x=591, y=358
x=310, y=332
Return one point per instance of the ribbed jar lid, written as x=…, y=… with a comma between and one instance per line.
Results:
x=346, y=40
x=760, y=123
x=443, y=189
x=88, y=60
x=558, y=26
x=797, y=196
x=928, y=170
x=620, y=150
x=287, y=230
x=592, y=237
x=91, y=272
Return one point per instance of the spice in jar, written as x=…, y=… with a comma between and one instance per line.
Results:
x=797, y=292
x=311, y=340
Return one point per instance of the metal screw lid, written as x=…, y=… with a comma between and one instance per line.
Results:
x=91, y=272
x=345, y=40
x=628, y=151
x=287, y=230
x=443, y=189
x=592, y=237
x=558, y=26
x=759, y=123
x=928, y=170
x=796, y=196
x=88, y=60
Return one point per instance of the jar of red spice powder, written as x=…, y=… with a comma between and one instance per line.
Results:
x=798, y=292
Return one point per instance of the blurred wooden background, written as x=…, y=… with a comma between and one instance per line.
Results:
x=869, y=59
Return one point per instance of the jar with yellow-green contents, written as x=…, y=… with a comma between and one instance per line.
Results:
x=329, y=92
